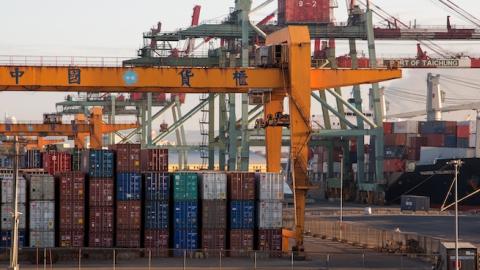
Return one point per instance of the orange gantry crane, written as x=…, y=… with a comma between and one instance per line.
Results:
x=293, y=78
x=32, y=144
x=78, y=129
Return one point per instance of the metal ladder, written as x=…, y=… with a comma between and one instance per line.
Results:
x=204, y=126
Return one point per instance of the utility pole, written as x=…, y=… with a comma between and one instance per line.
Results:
x=341, y=196
x=456, y=164
x=15, y=215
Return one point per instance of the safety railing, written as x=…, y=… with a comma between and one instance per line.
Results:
x=86, y=61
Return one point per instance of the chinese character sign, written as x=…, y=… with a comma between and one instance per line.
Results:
x=186, y=74
x=74, y=76
x=240, y=77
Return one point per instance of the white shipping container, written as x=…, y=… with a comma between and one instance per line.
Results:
x=7, y=211
x=429, y=155
x=7, y=190
x=472, y=142
x=405, y=127
x=270, y=186
x=270, y=214
x=42, y=215
x=42, y=188
x=213, y=186
x=42, y=239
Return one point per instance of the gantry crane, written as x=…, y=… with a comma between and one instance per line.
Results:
x=79, y=129
x=293, y=79
x=32, y=144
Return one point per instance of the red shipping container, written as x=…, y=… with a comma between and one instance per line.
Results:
x=72, y=187
x=181, y=97
x=57, y=162
x=100, y=239
x=128, y=238
x=156, y=241
x=136, y=96
x=129, y=215
x=394, y=165
x=100, y=219
x=463, y=132
x=435, y=140
x=417, y=142
x=413, y=154
x=450, y=127
x=100, y=192
x=72, y=238
x=395, y=139
x=154, y=160
x=241, y=185
x=128, y=157
x=159, y=97
x=271, y=241
x=241, y=242
x=72, y=216
x=387, y=127
x=303, y=11
x=214, y=239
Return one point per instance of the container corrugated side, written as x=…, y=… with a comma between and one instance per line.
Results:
x=129, y=215
x=128, y=157
x=101, y=163
x=100, y=239
x=128, y=238
x=42, y=187
x=185, y=186
x=72, y=216
x=157, y=186
x=214, y=214
x=42, y=215
x=6, y=213
x=213, y=186
x=156, y=215
x=241, y=186
x=270, y=214
x=184, y=239
x=241, y=242
x=101, y=192
x=6, y=238
x=72, y=187
x=72, y=238
x=33, y=159
x=157, y=242
x=154, y=160
x=214, y=239
x=129, y=186
x=242, y=214
x=186, y=215
x=101, y=219
x=270, y=240
x=57, y=162
x=42, y=238
x=7, y=190
x=270, y=186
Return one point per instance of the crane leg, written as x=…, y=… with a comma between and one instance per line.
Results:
x=273, y=135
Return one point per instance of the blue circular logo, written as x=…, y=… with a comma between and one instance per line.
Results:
x=130, y=77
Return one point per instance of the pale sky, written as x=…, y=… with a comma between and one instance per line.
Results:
x=114, y=28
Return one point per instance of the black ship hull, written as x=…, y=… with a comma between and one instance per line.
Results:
x=436, y=181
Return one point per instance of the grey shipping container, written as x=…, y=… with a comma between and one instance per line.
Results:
x=7, y=190
x=270, y=215
x=42, y=215
x=270, y=186
x=415, y=203
x=213, y=185
x=7, y=210
x=42, y=239
x=42, y=188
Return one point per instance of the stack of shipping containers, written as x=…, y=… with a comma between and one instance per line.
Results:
x=7, y=209
x=157, y=198
x=129, y=196
x=213, y=191
x=270, y=202
x=185, y=204
x=100, y=172
x=57, y=162
x=241, y=208
x=42, y=211
x=71, y=209
x=32, y=159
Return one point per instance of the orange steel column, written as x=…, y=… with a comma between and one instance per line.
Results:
x=96, y=123
x=298, y=40
x=273, y=135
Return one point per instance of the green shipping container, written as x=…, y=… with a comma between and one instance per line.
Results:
x=185, y=186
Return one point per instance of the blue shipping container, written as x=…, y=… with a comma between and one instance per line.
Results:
x=242, y=214
x=156, y=215
x=450, y=141
x=129, y=186
x=100, y=163
x=184, y=240
x=157, y=186
x=186, y=215
x=463, y=143
x=6, y=239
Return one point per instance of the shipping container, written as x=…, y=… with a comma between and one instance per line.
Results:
x=214, y=214
x=395, y=139
x=406, y=127
x=7, y=212
x=270, y=241
x=430, y=155
x=100, y=239
x=185, y=186
x=128, y=238
x=270, y=186
x=395, y=152
x=438, y=127
x=387, y=127
x=7, y=189
x=184, y=239
x=57, y=162
x=157, y=215
x=213, y=185
x=33, y=159
x=241, y=186
x=100, y=163
x=157, y=242
x=101, y=192
x=463, y=142
x=186, y=215
x=72, y=187
x=129, y=215
x=270, y=214
x=415, y=203
x=101, y=219
x=463, y=131
x=42, y=187
x=241, y=242
x=242, y=214
x=157, y=186
x=154, y=160
x=77, y=162
x=42, y=238
x=417, y=142
x=129, y=186
x=413, y=154
x=72, y=215
x=128, y=158
x=214, y=239
x=42, y=215
x=294, y=12
x=71, y=238
x=450, y=141
x=6, y=239
x=472, y=141
x=435, y=140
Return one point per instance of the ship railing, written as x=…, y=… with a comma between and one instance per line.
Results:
x=83, y=61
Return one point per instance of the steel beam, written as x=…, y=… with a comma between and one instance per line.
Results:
x=334, y=111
